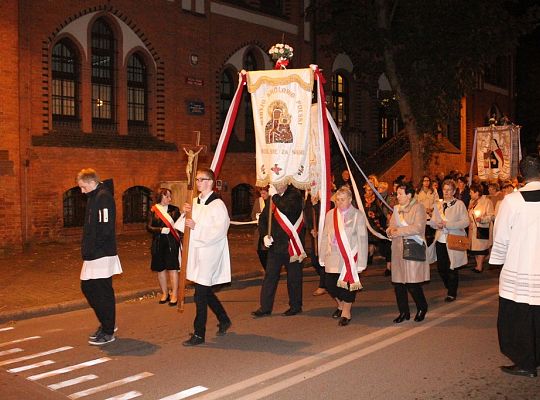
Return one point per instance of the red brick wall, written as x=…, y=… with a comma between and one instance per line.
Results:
x=127, y=168
x=172, y=35
x=10, y=166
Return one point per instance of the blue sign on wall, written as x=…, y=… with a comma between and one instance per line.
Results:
x=195, y=107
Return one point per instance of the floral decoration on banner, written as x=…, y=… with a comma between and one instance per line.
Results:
x=281, y=54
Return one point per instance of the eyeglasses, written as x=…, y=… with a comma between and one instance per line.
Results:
x=202, y=179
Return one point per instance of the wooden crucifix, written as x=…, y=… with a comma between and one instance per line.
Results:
x=192, y=151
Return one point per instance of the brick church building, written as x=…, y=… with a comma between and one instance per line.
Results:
x=122, y=85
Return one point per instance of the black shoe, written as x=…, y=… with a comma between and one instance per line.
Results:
x=98, y=332
x=402, y=317
x=194, y=340
x=477, y=270
x=344, y=321
x=173, y=303
x=449, y=299
x=291, y=312
x=515, y=370
x=260, y=313
x=336, y=313
x=420, y=315
x=166, y=300
x=387, y=272
x=223, y=328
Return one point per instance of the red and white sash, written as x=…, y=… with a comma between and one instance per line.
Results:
x=348, y=277
x=167, y=220
x=296, y=250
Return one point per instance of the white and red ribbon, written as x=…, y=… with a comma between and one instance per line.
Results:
x=167, y=220
x=348, y=277
x=296, y=250
x=226, y=131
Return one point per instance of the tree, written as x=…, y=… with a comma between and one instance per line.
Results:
x=432, y=52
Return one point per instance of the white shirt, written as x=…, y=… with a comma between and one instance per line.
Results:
x=515, y=244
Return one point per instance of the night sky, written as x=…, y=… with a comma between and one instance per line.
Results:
x=528, y=90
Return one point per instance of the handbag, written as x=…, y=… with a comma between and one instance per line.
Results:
x=457, y=242
x=414, y=251
x=482, y=233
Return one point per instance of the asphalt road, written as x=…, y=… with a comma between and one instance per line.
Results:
x=453, y=354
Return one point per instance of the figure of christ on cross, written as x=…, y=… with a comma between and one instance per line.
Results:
x=191, y=157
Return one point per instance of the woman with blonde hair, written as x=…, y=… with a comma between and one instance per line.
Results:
x=449, y=217
x=343, y=253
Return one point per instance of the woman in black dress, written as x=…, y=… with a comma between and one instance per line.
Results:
x=165, y=245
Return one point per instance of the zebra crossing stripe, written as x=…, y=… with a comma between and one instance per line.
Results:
x=110, y=385
x=68, y=369
x=31, y=366
x=184, y=394
x=6, y=329
x=71, y=382
x=36, y=355
x=10, y=351
x=19, y=340
x=126, y=396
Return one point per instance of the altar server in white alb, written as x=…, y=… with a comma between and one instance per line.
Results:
x=208, y=262
x=515, y=245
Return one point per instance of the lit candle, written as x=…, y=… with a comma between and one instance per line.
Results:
x=477, y=213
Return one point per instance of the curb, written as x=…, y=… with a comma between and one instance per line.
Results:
x=71, y=305
x=81, y=304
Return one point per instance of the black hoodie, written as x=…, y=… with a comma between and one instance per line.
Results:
x=99, y=232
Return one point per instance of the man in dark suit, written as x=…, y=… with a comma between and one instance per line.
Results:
x=285, y=247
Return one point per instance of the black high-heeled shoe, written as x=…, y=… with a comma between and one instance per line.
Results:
x=420, y=315
x=402, y=317
x=166, y=300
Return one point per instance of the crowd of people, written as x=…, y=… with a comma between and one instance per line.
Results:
x=441, y=219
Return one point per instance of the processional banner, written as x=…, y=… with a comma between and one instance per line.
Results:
x=281, y=101
x=498, y=151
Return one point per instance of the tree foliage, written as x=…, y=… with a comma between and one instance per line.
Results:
x=439, y=47
x=432, y=51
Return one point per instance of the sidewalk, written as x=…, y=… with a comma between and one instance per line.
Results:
x=45, y=279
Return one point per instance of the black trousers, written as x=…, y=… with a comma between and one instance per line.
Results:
x=518, y=326
x=450, y=277
x=271, y=279
x=100, y=295
x=205, y=297
x=337, y=292
x=402, y=297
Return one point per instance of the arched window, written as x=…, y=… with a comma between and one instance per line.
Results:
x=137, y=93
x=340, y=100
x=103, y=67
x=242, y=201
x=136, y=202
x=226, y=94
x=74, y=202
x=65, y=84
